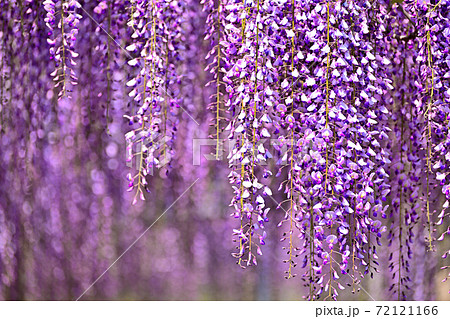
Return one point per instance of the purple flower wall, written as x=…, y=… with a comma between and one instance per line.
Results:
x=257, y=149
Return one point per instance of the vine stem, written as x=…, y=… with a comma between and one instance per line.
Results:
x=400, y=221
x=331, y=273
x=165, y=101
x=311, y=251
x=291, y=194
x=218, y=82
x=108, y=69
x=430, y=61
x=63, y=40
x=242, y=165
x=327, y=93
x=254, y=118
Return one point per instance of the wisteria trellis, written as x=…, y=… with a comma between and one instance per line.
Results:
x=339, y=106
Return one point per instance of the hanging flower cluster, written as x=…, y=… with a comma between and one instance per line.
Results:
x=62, y=20
x=435, y=76
x=336, y=109
x=246, y=78
x=323, y=76
x=158, y=49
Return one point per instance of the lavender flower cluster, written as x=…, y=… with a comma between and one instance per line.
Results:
x=338, y=83
x=62, y=20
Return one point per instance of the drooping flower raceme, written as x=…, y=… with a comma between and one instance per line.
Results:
x=156, y=43
x=62, y=20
